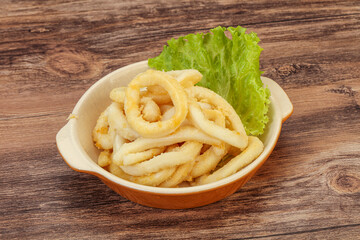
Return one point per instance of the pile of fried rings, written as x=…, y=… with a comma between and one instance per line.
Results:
x=162, y=130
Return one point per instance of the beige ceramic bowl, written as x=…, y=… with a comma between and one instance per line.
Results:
x=75, y=144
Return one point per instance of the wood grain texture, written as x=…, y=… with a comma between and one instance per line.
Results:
x=51, y=52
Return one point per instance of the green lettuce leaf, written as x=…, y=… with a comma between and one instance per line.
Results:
x=230, y=67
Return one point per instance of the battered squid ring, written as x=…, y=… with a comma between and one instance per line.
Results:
x=170, y=112
x=150, y=110
x=103, y=134
x=158, y=94
x=253, y=150
x=117, y=120
x=153, y=179
x=132, y=102
x=186, y=133
x=133, y=158
x=187, y=152
x=236, y=137
x=105, y=159
x=181, y=174
x=118, y=95
x=187, y=78
x=208, y=160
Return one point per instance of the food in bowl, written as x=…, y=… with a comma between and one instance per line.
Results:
x=163, y=131
x=75, y=144
x=263, y=119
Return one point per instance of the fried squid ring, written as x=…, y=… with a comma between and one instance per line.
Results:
x=208, y=160
x=118, y=121
x=118, y=95
x=104, y=158
x=187, y=152
x=181, y=174
x=236, y=137
x=150, y=110
x=132, y=101
x=103, y=134
x=164, y=108
x=186, y=133
x=253, y=150
x=170, y=112
x=158, y=94
x=118, y=142
x=133, y=158
x=150, y=180
x=187, y=78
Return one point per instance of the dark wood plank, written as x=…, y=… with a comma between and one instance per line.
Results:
x=51, y=52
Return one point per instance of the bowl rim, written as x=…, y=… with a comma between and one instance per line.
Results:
x=95, y=169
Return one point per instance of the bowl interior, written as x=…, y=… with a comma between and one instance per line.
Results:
x=96, y=99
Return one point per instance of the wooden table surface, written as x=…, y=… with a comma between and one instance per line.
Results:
x=51, y=52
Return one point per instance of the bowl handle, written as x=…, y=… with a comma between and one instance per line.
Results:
x=71, y=153
x=280, y=95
